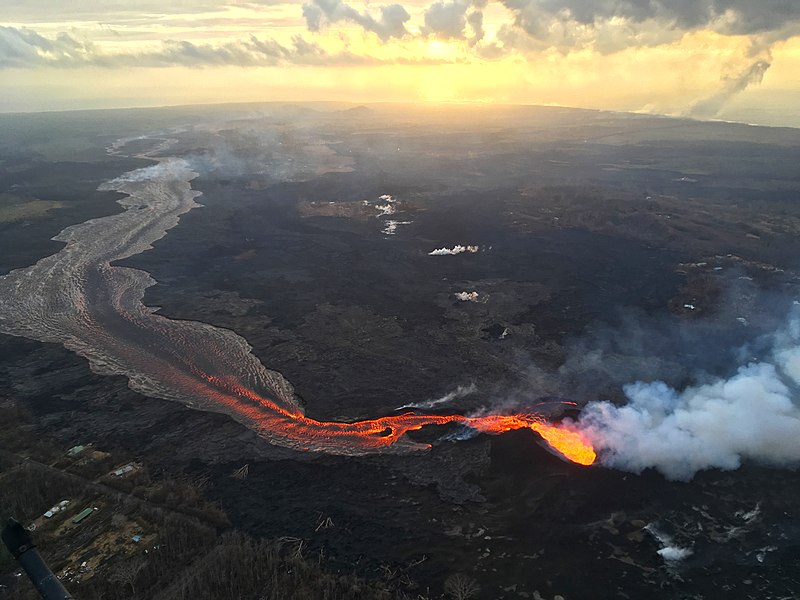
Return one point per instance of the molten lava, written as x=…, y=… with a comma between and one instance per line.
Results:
x=566, y=441
x=288, y=426
x=78, y=297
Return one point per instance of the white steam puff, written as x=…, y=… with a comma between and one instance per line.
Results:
x=459, y=392
x=390, y=226
x=467, y=296
x=750, y=416
x=674, y=553
x=669, y=551
x=457, y=249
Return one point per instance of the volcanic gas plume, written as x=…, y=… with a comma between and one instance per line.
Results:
x=75, y=297
x=751, y=416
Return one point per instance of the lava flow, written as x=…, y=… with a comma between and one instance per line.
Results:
x=567, y=442
x=76, y=297
x=290, y=427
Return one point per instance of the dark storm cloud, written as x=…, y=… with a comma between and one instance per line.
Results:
x=606, y=25
x=391, y=23
x=454, y=20
x=475, y=20
x=449, y=20
x=446, y=19
x=726, y=16
x=609, y=26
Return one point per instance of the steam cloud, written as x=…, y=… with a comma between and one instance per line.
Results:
x=457, y=249
x=467, y=296
x=669, y=551
x=750, y=416
x=460, y=392
x=711, y=106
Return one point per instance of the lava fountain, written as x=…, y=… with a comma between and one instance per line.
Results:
x=562, y=438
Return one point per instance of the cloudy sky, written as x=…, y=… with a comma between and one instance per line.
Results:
x=728, y=59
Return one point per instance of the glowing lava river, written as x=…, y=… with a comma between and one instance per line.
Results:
x=77, y=298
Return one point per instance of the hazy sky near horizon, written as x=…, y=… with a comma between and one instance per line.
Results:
x=730, y=59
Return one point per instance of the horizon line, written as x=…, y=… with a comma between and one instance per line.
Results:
x=408, y=103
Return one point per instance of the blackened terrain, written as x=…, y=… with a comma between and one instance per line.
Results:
x=664, y=245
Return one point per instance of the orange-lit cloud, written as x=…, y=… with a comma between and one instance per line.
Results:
x=649, y=55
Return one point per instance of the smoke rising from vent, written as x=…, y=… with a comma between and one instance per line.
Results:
x=751, y=416
x=460, y=392
x=467, y=296
x=457, y=249
x=669, y=551
x=711, y=106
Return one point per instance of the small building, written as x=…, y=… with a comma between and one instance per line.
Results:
x=56, y=508
x=123, y=470
x=75, y=450
x=82, y=515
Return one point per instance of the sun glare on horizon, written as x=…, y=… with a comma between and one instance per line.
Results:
x=664, y=59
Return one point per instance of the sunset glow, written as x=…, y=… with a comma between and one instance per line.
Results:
x=568, y=53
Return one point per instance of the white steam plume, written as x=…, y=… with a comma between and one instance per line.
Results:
x=467, y=296
x=711, y=106
x=752, y=416
x=457, y=249
x=669, y=551
x=459, y=392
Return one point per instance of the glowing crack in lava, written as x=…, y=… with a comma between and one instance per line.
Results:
x=77, y=298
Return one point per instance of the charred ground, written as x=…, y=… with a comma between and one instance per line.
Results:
x=596, y=231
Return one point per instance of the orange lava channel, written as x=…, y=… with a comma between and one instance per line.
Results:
x=568, y=442
x=288, y=426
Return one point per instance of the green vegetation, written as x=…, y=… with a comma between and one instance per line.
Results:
x=148, y=537
x=14, y=209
